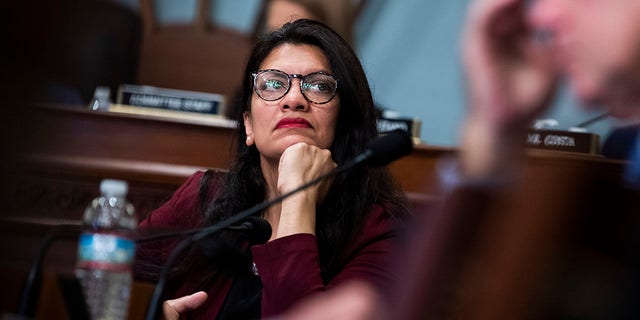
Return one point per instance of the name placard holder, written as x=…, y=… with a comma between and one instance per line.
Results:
x=171, y=99
x=569, y=141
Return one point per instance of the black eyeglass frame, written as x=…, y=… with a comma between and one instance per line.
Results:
x=291, y=76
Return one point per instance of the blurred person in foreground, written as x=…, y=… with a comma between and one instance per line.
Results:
x=307, y=108
x=566, y=246
x=515, y=53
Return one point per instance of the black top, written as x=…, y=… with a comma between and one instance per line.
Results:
x=244, y=299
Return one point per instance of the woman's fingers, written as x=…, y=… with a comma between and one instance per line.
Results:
x=301, y=163
x=172, y=309
x=510, y=77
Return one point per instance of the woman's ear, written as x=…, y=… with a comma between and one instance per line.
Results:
x=248, y=129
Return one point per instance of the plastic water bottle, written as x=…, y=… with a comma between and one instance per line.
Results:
x=106, y=252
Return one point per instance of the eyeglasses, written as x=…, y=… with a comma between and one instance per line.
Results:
x=272, y=84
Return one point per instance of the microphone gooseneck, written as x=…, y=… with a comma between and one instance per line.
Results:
x=593, y=120
x=381, y=151
x=33, y=281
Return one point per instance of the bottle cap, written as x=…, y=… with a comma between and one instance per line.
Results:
x=114, y=187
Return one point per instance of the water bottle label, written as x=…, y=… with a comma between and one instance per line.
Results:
x=105, y=251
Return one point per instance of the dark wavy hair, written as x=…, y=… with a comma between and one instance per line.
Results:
x=352, y=195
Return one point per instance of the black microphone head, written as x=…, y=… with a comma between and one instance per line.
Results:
x=389, y=147
x=256, y=229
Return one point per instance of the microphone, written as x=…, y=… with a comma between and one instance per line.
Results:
x=385, y=149
x=380, y=151
x=262, y=233
x=257, y=230
x=590, y=121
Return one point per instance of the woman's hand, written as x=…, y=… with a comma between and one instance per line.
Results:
x=510, y=75
x=510, y=80
x=301, y=163
x=172, y=309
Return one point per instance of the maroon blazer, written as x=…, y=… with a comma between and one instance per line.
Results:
x=288, y=267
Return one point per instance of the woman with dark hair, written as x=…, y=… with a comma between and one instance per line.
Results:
x=307, y=109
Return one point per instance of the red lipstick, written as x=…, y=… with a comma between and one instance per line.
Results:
x=293, y=123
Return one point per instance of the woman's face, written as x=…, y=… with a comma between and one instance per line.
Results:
x=273, y=126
